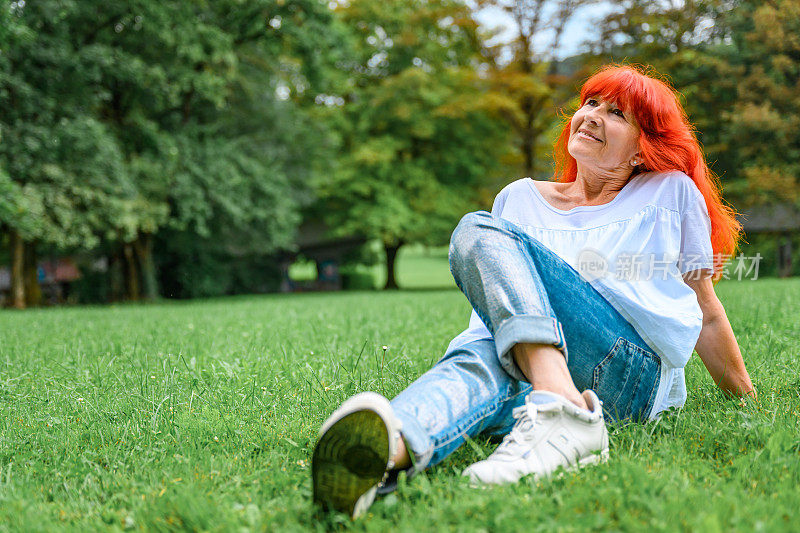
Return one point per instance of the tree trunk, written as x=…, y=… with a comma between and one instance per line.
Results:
x=17, y=269
x=131, y=272
x=33, y=291
x=785, y=257
x=527, y=149
x=391, y=255
x=528, y=112
x=144, y=253
x=116, y=277
x=528, y=137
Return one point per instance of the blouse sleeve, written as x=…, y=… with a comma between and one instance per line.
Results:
x=696, y=251
x=500, y=202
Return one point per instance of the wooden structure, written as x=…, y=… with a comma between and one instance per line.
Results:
x=315, y=243
x=53, y=276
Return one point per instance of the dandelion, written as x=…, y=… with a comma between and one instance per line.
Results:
x=383, y=358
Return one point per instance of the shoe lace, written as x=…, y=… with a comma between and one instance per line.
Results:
x=527, y=417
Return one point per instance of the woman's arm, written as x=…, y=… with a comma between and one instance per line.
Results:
x=717, y=345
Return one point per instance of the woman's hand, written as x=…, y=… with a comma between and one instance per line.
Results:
x=717, y=345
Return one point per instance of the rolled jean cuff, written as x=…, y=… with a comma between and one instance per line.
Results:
x=533, y=329
x=418, y=443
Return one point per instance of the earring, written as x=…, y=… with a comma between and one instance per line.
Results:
x=634, y=162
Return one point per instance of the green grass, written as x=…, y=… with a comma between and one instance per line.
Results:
x=203, y=415
x=420, y=267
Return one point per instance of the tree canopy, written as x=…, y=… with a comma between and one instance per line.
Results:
x=183, y=143
x=129, y=118
x=417, y=134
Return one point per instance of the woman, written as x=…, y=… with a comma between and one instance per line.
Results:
x=600, y=281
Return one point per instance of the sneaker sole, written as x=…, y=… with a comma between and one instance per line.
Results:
x=349, y=461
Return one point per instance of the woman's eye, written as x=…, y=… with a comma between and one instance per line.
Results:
x=593, y=102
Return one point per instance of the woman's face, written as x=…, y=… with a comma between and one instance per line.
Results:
x=604, y=138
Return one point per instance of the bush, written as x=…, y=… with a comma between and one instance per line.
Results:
x=192, y=267
x=358, y=279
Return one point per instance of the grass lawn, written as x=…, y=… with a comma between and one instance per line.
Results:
x=203, y=415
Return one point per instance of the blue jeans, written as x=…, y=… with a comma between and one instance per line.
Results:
x=523, y=292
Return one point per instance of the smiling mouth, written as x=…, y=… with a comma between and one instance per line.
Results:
x=588, y=135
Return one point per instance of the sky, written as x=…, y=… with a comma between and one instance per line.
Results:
x=580, y=27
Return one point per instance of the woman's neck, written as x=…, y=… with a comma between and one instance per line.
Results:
x=596, y=187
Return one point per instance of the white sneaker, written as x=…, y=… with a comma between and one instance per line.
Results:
x=550, y=432
x=353, y=454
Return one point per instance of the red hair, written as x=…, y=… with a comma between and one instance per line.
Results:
x=667, y=142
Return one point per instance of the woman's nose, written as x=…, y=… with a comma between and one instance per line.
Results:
x=592, y=115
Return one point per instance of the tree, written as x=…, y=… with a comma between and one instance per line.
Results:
x=528, y=82
x=759, y=127
x=229, y=160
x=62, y=166
x=261, y=146
x=417, y=137
x=130, y=119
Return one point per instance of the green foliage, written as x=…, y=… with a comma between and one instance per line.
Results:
x=195, y=267
x=128, y=118
x=204, y=415
x=761, y=127
x=417, y=141
x=768, y=246
x=528, y=83
x=224, y=123
x=68, y=179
